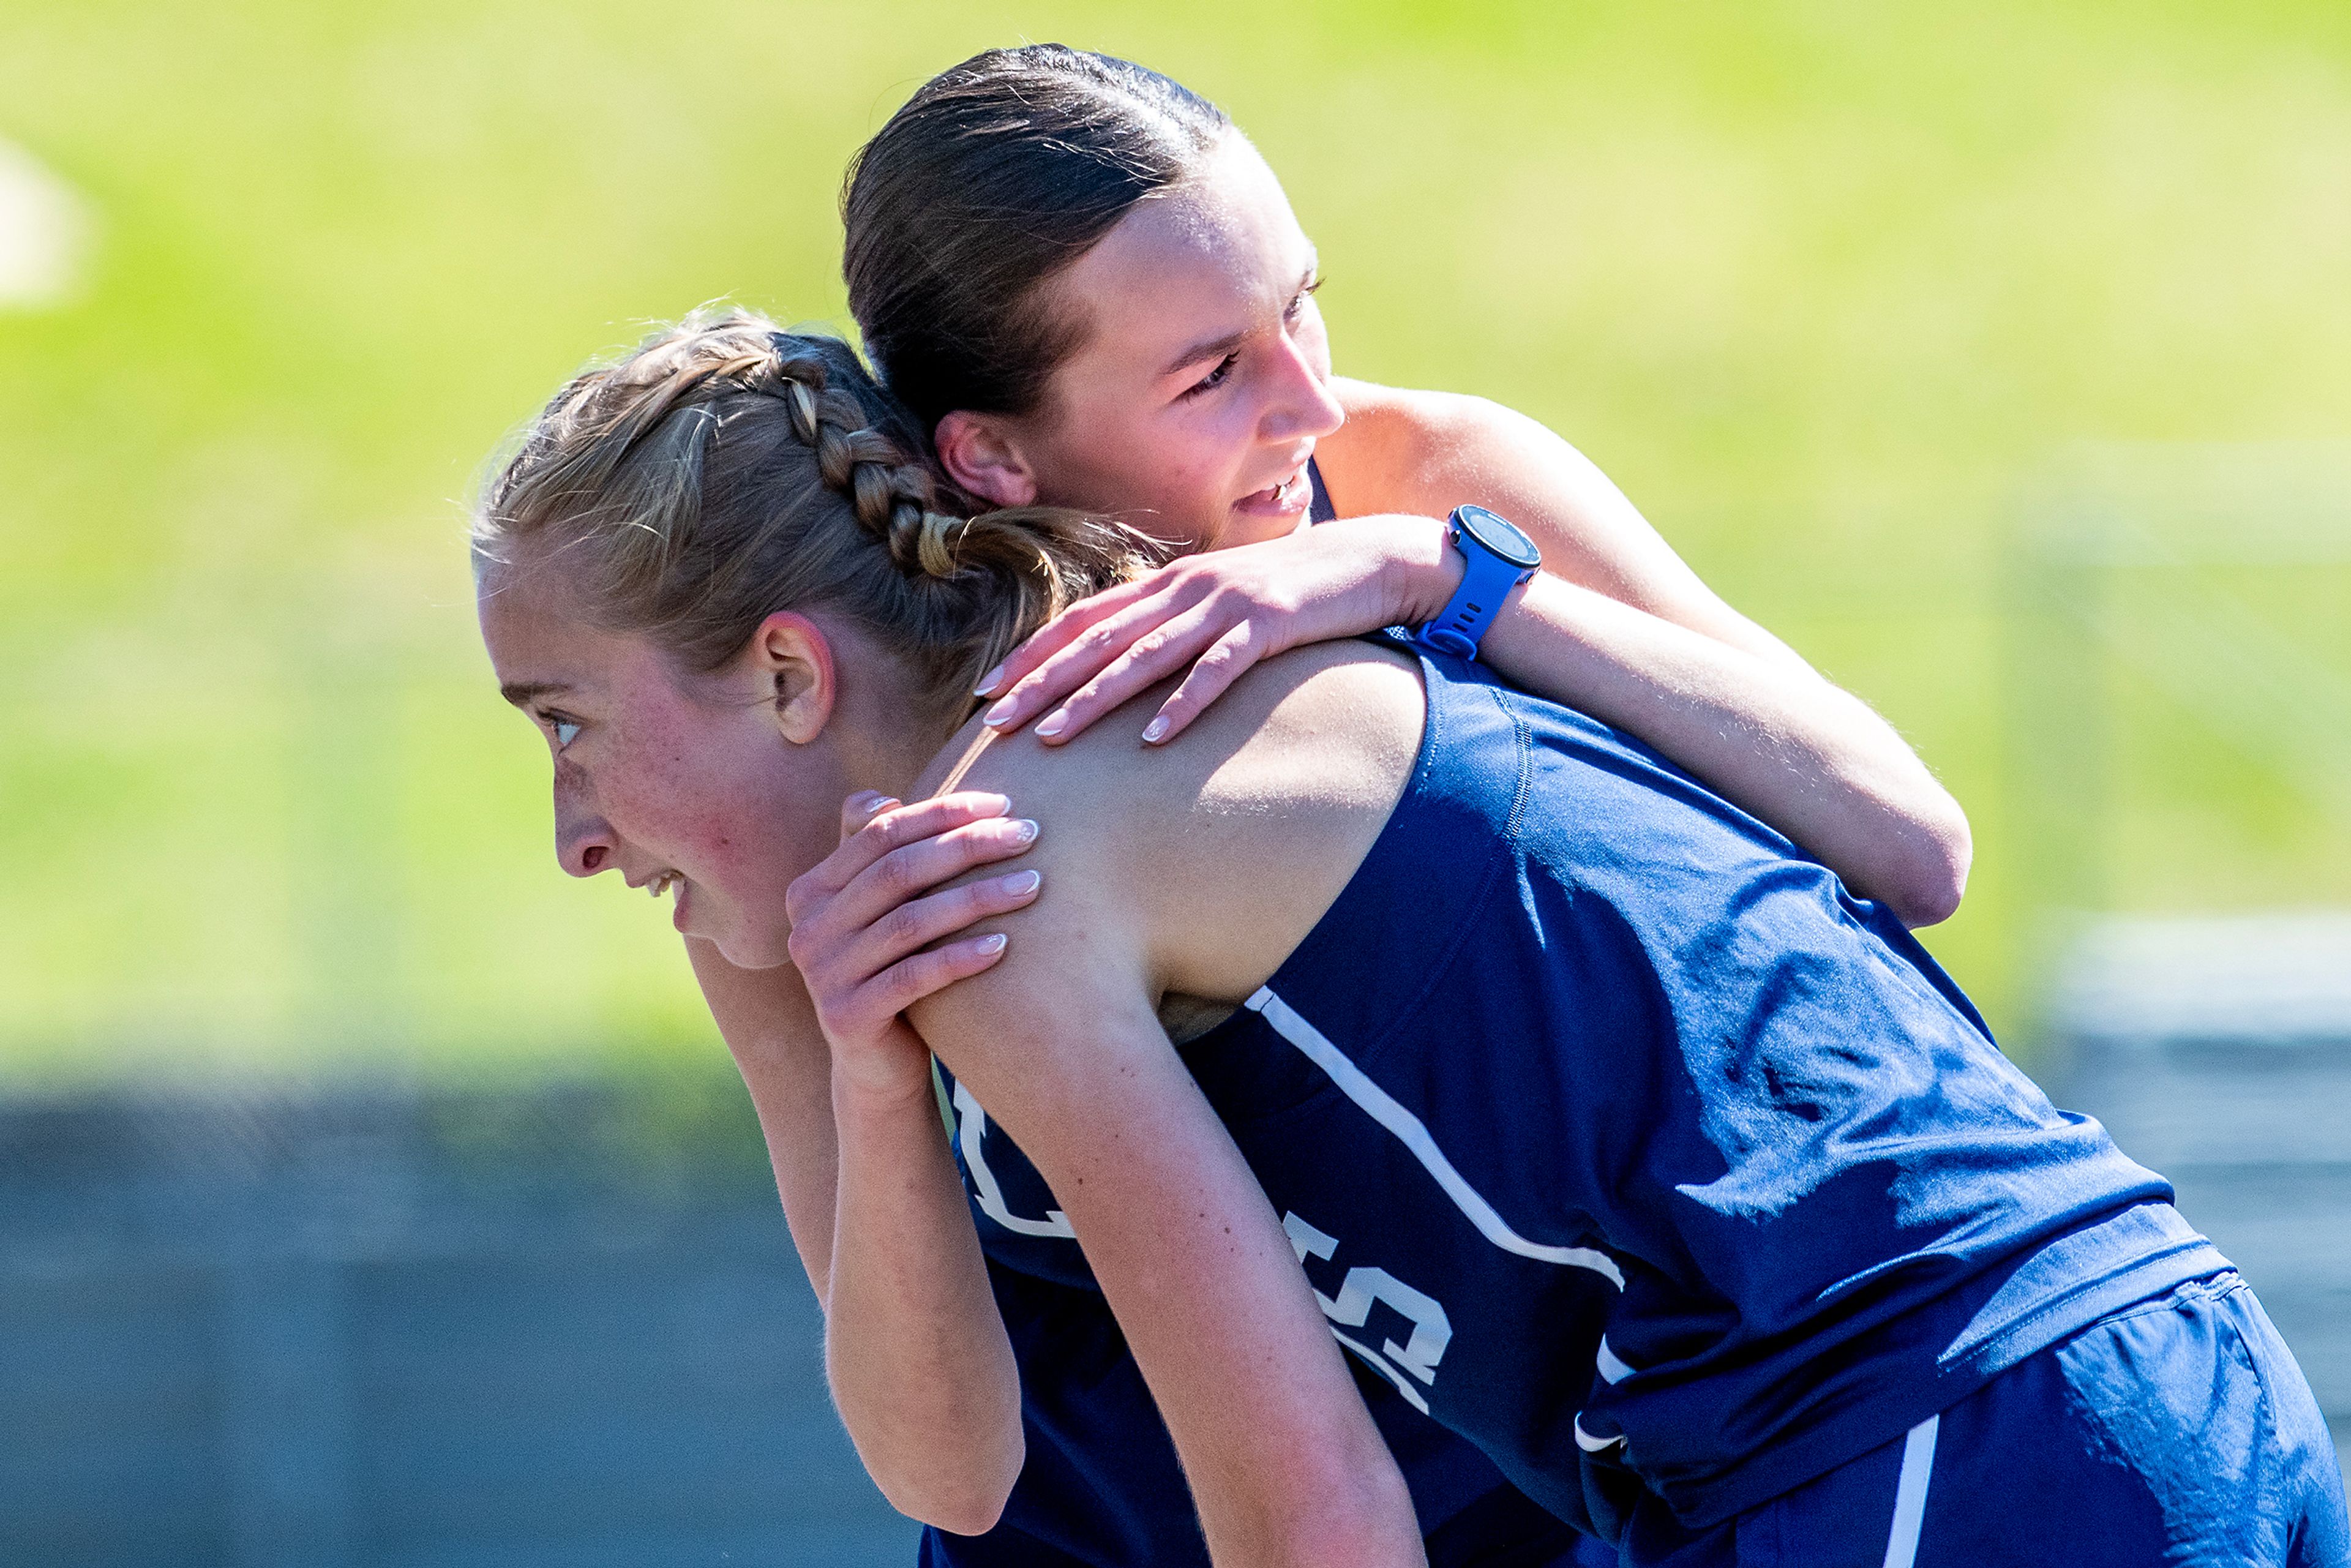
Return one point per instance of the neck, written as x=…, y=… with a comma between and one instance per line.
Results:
x=885, y=746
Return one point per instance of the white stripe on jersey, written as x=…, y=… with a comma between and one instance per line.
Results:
x=1910, y=1493
x=1587, y=1442
x=1377, y=1103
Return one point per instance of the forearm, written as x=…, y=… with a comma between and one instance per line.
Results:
x=1778, y=741
x=771, y=1030
x=1284, y=1463
x=1810, y=759
x=1764, y=729
x=917, y=1356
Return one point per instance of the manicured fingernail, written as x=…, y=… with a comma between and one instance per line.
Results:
x=1053, y=723
x=1024, y=830
x=991, y=805
x=879, y=804
x=992, y=943
x=864, y=799
x=1021, y=882
x=999, y=716
x=988, y=683
x=1155, y=730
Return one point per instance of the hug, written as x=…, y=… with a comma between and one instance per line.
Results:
x=1424, y=1104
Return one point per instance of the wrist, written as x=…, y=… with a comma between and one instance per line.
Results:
x=1423, y=570
x=884, y=1084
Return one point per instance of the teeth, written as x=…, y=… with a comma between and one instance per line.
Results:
x=662, y=884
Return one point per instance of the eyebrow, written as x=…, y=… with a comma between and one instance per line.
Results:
x=1217, y=348
x=523, y=693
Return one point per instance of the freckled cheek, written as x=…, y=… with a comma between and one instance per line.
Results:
x=745, y=834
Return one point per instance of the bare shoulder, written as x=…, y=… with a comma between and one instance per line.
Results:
x=1223, y=847
x=1404, y=450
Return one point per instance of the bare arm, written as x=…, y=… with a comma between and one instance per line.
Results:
x=917, y=1358
x=1060, y=1043
x=1747, y=714
x=770, y=1028
x=1616, y=626
x=915, y=1350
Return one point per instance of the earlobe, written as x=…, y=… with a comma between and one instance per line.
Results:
x=982, y=457
x=793, y=659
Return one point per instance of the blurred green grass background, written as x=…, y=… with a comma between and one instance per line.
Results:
x=1830, y=289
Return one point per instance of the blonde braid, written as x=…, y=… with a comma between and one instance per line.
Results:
x=727, y=470
x=891, y=495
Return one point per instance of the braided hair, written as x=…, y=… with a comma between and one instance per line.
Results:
x=728, y=469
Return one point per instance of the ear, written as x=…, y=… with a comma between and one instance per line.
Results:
x=790, y=656
x=981, y=453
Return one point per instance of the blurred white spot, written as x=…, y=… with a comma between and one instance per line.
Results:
x=44, y=234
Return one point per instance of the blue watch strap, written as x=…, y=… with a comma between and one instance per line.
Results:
x=1486, y=582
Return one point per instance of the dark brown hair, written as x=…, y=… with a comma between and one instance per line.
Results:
x=992, y=178
x=727, y=470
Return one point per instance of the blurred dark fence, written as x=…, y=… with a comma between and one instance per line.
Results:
x=398, y=1328
x=2218, y=1050
x=565, y=1326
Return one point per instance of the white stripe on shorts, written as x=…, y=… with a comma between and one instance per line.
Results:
x=1910, y=1493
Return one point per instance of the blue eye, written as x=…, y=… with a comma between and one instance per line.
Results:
x=564, y=731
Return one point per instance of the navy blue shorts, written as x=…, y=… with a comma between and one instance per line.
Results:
x=2177, y=1431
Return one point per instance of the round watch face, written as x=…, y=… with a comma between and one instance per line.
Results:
x=1499, y=535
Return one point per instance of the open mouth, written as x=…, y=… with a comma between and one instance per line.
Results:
x=664, y=881
x=1288, y=495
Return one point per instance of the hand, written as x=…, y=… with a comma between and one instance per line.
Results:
x=1220, y=612
x=863, y=918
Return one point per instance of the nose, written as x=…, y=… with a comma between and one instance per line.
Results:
x=1301, y=404
x=584, y=841
x=585, y=852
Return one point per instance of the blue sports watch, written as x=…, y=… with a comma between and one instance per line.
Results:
x=1498, y=557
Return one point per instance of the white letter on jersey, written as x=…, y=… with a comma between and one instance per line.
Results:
x=1432, y=1331
x=971, y=1129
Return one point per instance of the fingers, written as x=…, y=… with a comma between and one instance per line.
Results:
x=1142, y=627
x=911, y=870
x=1152, y=658
x=1105, y=635
x=1212, y=673
x=904, y=983
x=1059, y=632
x=877, y=826
x=860, y=808
x=908, y=928
x=862, y=920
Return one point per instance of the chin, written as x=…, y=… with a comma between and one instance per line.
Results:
x=1250, y=529
x=760, y=952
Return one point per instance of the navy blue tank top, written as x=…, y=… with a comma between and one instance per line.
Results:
x=1319, y=508
x=1102, y=1486
x=1617, y=1135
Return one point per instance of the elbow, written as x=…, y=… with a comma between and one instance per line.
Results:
x=1936, y=879
x=974, y=1514
x=967, y=1502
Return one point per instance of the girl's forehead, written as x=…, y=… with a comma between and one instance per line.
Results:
x=537, y=632
x=1219, y=253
